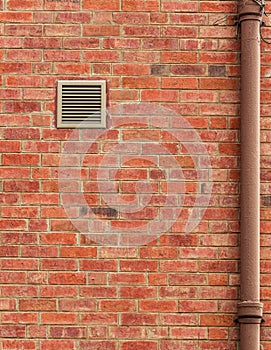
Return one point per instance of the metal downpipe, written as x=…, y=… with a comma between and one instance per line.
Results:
x=250, y=308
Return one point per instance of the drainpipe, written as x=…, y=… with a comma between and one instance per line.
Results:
x=250, y=308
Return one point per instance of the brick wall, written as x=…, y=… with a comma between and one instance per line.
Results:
x=60, y=287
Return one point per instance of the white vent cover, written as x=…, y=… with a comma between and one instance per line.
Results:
x=81, y=104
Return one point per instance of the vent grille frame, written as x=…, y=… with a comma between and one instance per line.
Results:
x=81, y=104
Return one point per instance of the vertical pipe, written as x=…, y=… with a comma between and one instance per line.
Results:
x=250, y=308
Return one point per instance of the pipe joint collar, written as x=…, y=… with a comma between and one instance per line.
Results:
x=250, y=312
x=249, y=10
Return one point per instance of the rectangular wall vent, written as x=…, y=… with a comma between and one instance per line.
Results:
x=81, y=104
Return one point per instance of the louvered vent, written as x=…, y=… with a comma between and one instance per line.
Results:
x=81, y=103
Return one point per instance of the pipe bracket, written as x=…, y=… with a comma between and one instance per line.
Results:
x=250, y=312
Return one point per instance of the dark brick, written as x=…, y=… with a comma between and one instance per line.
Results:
x=188, y=69
x=217, y=71
x=160, y=69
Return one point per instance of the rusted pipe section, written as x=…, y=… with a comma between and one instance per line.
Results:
x=250, y=308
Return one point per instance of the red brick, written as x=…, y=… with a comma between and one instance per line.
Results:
x=159, y=252
x=20, y=212
x=23, y=30
x=141, y=31
x=58, y=238
x=160, y=44
x=58, y=291
x=11, y=42
x=21, y=159
x=140, y=82
x=72, y=278
x=10, y=146
x=12, y=331
x=59, y=318
x=20, y=264
x=118, y=252
x=131, y=18
x=15, y=291
x=179, y=83
x=19, y=344
x=179, y=57
x=54, y=344
x=98, y=344
x=62, y=225
x=7, y=277
x=72, y=68
x=222, y=32
x=158, y=279
x=82, y=252
x=22, y=107
x=15, y=67
x=37, y=225
x=125, y=278
x=21, y=81
x=68, y=332
x=37, y=331
x=138, y=292
x=62, y=6
x=126, y=332
x=102, y=56
x=78, y=305
x=144, y=345
x=59, y=264
x=9, y=198
x=160, y=95
x=194, y=306
x=218, y=84
x=99, y=292
x=184, y=292
x=170, y=5
x=158, y=305
x=100, y=318
x=103, y=5
x=18, y=318
x=139, y=319
x=218, y=57
x=189, y=333
x=12, y=16
x=131, y=69
x=72, y=17
x=102, y=30
x=42, y=43
x=183, y=32
x=24, y=5
x=140, y=5
x=137, y=265
x=11, y=224
x=18, y=238
x=216, y=320
x=216, y=6
x=124, y=95
x=43, y=17
x=141, y=56
x=81, y=43
x=117, y=305
x=37, y=305
x=63, y=30
x=10, y=94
